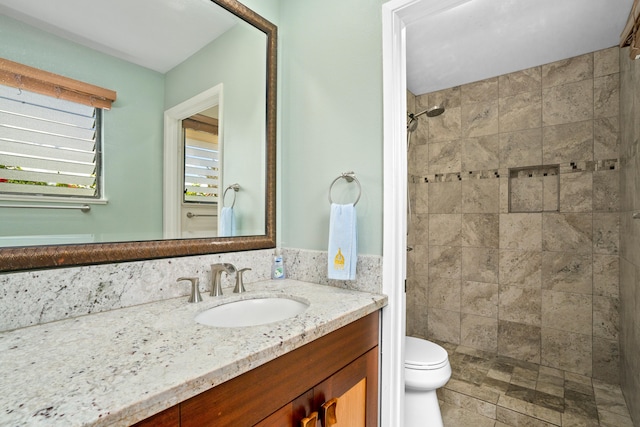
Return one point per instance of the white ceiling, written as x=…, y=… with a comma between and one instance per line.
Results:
x=453, y=42
x=156, y=34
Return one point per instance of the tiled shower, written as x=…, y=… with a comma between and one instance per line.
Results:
x=521, y=196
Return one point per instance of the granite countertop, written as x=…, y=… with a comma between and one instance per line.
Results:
x=118, y=367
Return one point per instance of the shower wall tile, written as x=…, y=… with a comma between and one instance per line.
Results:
x=519, y=341
x=444, y=325
x=420, y=198
x=419, y=159
x=482, y=91
x=570, y=232
x=567, y=71
x=481, y=153
x=479, y=332
x=445, y=197
x=419, y=257
x=480, y=264
x=572, y=102
x=479, y=119
x=448, y=98
x=567, y=311
x=445, y=261
x=606, y=61
x=576, y=192
x=444, y=157
x=606, y=319
x=444, y=293
x=521, y=231
x=527, y=194
x=419, y=229
x=445, y=229
x=521, y=111
x=529, y=80
x=606, y=360
x=606, y=186
x=480, y=196
x=520, y=305
x=571, y=142
x=480, y=230
x=445, y=127
x=606, y=236
x=606, y=96
x=567, y=272
x=479, y=298
x=417, y=291
x=521, y=269
x=523, y=148
x=606, y=138
x=561, y=349
x=606, y=274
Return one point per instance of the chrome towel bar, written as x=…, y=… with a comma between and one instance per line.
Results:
x=83, y=208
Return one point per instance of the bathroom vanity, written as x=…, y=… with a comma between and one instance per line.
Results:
x=152, y=364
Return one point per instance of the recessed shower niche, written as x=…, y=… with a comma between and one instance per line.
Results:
x=534, y=189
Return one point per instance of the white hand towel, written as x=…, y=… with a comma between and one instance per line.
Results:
x=343, y=242
x=227, y=226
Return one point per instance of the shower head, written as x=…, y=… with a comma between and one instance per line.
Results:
x=434, y=111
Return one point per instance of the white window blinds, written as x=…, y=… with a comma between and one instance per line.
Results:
x=48, y=146
x=201, y=167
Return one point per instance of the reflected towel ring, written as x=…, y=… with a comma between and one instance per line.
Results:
x=349, y=177
x=235, y=188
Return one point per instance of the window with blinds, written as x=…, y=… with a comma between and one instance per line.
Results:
x=48, y=146
x=201, y=167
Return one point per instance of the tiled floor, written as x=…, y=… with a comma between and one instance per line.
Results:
x=495, y=391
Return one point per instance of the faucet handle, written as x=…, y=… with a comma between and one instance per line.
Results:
x=195, y=290
x=239, y=283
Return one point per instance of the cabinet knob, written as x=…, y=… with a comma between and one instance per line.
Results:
x=329, y=412
x=310, y=421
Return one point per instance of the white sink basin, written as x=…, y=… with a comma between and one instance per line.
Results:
x=251, y=312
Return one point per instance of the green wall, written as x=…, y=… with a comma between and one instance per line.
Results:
x=331, y=117
x=132, y=142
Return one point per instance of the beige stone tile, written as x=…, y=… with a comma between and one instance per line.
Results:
x=480, y=118
x=522, y=231
x=610, y=419
x=606, y=61
x=566, y=350
x=444, y=325
x=480, y=230
x=418, y=163
x=472, y=390
x=573, y=420
x=445, y=229
x=420, y=261
x=606, y=319
x=606, y=360
x=567, y=311
x=519, y=341
x=606, y=138
x=444, y=157
x=445, y=127
x=468, y=403
x=419, y=229
x=567, y=71
x=606, y=96
x=576, y=192
x=481, y=153
x=526, y=194
x=521, y=111
x=445, y=262
x=525, y=408
x=550, y=388
x=606, y=185
x=606, y=233
x=521, y=148
x=606, y=272
x=521, y=268
x=454, y=416
x=610, y=398
x=568, y=142
x=480, y=264
x=420, y=199
x=482, y=91
x=448, y=98
x=547, y=371
x=479, y=298
x=568, y=103
x=529, y=80
x=445, y=197
x=479, y=332
x=481, y=195
x=520, y=305
x=444, y=293
x=567, y=272
x=570, y=232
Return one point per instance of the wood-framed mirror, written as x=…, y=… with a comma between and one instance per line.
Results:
x=28, y=257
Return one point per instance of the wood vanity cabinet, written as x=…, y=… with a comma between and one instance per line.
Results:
x=280, y=393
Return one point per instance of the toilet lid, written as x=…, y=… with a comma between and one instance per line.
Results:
x=423, y=354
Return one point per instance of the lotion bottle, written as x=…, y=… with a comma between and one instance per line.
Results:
x=278, y=270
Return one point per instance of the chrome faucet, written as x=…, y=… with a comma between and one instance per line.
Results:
x=239, y=284
x=216, y=273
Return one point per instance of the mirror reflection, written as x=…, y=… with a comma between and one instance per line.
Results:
x=164, y=76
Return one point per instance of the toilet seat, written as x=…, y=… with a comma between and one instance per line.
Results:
x=424, y=355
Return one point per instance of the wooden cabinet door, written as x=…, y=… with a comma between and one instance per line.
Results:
x=355, y=387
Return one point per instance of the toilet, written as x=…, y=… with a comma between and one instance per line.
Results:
x=426, y=368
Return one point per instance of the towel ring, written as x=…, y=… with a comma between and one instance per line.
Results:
x=349, y=177
x=235, y=188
